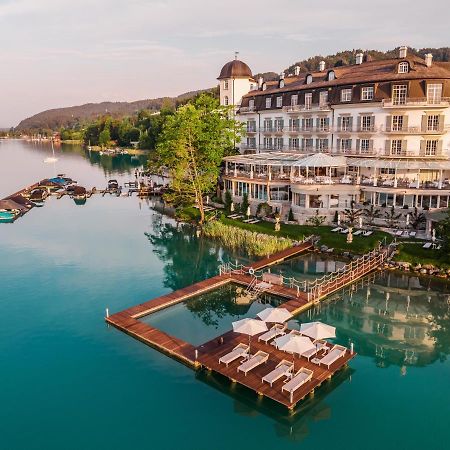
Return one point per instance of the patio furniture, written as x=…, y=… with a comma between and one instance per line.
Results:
x=367, y=233
x=320, y=345
x=338, y=351
x=412, y=233
x=256, y=360
x=239, y=351
x=427, y=245
x=335, y=230
x=301, y=377
x=283, y=369
x=357, y=233
x=275, y=331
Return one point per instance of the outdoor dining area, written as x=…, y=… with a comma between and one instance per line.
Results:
x=266, y=356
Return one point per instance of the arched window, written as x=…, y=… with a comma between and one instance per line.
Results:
x=281, y=83
x=309, y=79
x=403, y=67
x=225, y=100
x=331, y=75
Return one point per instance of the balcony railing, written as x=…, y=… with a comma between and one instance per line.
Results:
x=415, y=102
x=307, y=108
x=247, y=109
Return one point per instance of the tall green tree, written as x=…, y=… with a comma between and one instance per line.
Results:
x=191, y=147
x=104, y=138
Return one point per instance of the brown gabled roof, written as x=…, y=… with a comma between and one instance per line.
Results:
x=235, y=69
x=10, y=205
x=367, y=72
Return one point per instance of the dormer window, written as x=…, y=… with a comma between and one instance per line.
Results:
x=264, y=86
x=225, y=85
x=251, y=103
x=331, y=75
x=281, y=83
x=308, y=79
x=403, y=67
x=268, y=102
x=279, y=102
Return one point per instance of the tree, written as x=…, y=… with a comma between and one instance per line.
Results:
x=416, y=219
x=352, y=214
x=391, y=217
x=228, y=200
x=316, y=220
x=244, y=204
x=191, y=147
x=104, y=138
x=443, y=231
x=371, y=213
x=291, y=217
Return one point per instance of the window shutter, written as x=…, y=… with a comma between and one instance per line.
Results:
x=359, y=123
x=439, y=147
x=325, y=142
x=358, y=144
x=404, y=145
x=303, y=124
x=405, y=122
x=441, y=122
x=339, y=123
x=349, y=144
x=317, y=123
x=303, y=143
x=317, y=144
x=388, y=123
x=338, y=143
x=387, y=146
x=424, y=122
x=327, y=121
x=423, y=144
x=350, y=123
x=371, y=145
x=372, y=122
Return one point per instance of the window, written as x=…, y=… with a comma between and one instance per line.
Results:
x=434, y=93
x=403, y=67
x=396, y=147
x=309, y=79
x=294, y=124
x=279, y=142
x=387, y=171
x=251, y=104
x=364, y=145
x=251, y=126
x=251, y=142
x=308, y=124
x=260, y=192
x=346, y=95
x=281, y=84
x=242, y=188
x=397, y=123
x=322, y=124
x=367, y=123
x=431, y=147
x=321, y=144
x=308, y=100
x=267, y=124
x=307, y=144
x=346, y=123
x=267, y=142
x=225, y=100
x=399, y=92
x=279, y=124
x=279, y=102
x=367, y=93
x=268, y=102
x=294, y=100
x=433, y=123
x=225, y=85
x=323, y=98
x=345, y=144
x=294, y=143
x=331, y=75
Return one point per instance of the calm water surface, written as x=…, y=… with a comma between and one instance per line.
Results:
x=70, y=382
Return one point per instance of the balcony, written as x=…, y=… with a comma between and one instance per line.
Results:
x=251, y=130
x=247, y=109
x=421, y=102
x=441, y=129
x=307, y=108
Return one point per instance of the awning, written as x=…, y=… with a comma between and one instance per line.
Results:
x=412, y=164
x=322, y=160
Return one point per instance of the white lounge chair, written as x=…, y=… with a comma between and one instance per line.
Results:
x=254, y=221
x=367, y=233
x=233, y=216
x=398, y=233
x=256, y=360
x=239, y=351
x=275, y=331
x=335, y=230
x=405, y=233
x=344, y=231
x=299, y=379
x=427, y=245
x=357, y=233
x=319, y=346
x=333, y=355
x=283, y=369
x=412, y=233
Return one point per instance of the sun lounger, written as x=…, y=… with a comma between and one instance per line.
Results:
x=367, y=233
x=405, y=233
x=319, y=346
x=335, y=230
x=239, y=351
x=333, y=355
x=398, y=233
x=412, y=233
x=257, y=359
x=254, y=221
x=247, y=220
x=283, y=369
x=233, y=216
x=357, y=233
x=344, y=231
x=299, y=379
x=276, y=330
x=427, y=245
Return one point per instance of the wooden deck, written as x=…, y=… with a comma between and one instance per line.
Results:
x=210, y=352
x=281, y=256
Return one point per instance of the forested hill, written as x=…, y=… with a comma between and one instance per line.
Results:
x=66, y=117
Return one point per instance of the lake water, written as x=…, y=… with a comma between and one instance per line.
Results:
x=70, y=382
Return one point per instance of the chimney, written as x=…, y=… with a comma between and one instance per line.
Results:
x=260, y=82
x=322, y=66
x=282, y=76
x=403, y=51
x=359, y=58
x=297, y=71
x=428, y=59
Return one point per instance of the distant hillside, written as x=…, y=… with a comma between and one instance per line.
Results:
x=66, y=117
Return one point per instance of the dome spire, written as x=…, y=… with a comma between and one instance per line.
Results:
x=236, y=54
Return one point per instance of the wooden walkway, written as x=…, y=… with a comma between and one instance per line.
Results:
x=281, y=256
x=210, y=352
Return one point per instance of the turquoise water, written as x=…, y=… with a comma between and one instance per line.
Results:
x=70, y=382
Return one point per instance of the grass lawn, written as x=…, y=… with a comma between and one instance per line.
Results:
x=337, y=241
x=415, y=254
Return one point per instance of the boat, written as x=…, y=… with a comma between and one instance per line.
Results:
x=38, y=196
x=79, y=193
x=51, y=159
x=113, y=184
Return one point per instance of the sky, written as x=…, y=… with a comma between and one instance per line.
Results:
x=57, y=53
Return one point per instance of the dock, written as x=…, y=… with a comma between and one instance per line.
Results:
x=206, y=356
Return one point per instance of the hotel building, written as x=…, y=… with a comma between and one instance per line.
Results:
x=376, y=132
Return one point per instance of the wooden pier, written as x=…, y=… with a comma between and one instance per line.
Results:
x=207, y=355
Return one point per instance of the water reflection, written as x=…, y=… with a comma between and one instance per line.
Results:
x=397, y=319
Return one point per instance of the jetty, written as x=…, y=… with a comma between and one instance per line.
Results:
x=296, y=297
